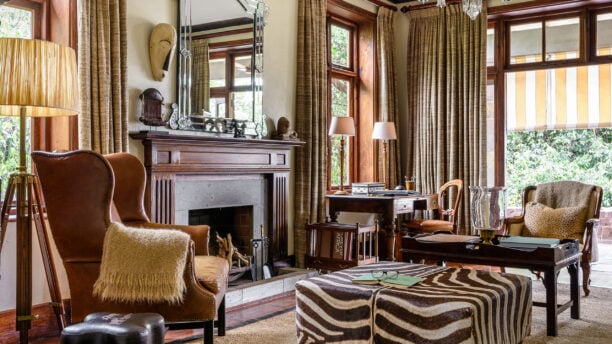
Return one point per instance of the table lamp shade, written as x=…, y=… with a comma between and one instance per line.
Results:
x=384, y=131
x=37, y=78
x=342, y=126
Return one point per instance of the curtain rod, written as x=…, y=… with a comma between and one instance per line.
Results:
x=405, y=9
x=382, y=4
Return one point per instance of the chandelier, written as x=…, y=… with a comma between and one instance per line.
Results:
x=471, y=7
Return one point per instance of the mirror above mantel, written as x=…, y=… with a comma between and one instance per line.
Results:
x=220, y=67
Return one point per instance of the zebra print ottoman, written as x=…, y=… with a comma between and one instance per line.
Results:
x=449, y=305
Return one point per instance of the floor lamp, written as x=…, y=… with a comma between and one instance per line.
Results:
x=37, y=79
x=342, y=126
x=384, y=131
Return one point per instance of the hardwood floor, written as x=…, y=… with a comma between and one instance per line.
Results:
x=601, y=276
x=235, y=317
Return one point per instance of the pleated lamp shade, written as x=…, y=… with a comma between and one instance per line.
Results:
x=38, y=78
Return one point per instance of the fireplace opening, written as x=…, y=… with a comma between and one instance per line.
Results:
x=237, y=221
x=248, y=264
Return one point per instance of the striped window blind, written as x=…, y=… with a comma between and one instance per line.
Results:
x=560, y=98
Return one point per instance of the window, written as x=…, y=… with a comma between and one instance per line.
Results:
x=603, y=38
x=552, y=98
x=545, y=40
x=352, y=91
x=14, y=23
x=30, y=19
x=343, y=80
x=231, y=81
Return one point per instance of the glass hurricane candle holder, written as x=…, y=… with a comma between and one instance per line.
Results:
x=488, y=210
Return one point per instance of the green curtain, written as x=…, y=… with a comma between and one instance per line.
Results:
x=311, y=121
x=200, y=90
x=447, y=100
x=387, y=106
x=103, y=125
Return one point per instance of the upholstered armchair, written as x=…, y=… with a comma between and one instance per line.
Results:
x=448, y=203
x=564, y=210
x=84, y=194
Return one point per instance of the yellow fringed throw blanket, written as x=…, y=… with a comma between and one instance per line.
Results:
x=142, y=265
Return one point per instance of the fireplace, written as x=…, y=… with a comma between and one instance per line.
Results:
x=237, y=221
x=191, y=173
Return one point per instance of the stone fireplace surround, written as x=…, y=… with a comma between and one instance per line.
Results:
x=198, y=172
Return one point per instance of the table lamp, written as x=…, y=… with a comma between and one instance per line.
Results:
x=37, y=79
x=384, y=131
x=342, y=126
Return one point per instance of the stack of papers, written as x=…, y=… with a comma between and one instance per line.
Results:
x=402, y=281
x=528, y=242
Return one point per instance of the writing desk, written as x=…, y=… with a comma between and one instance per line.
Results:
x=388, y=206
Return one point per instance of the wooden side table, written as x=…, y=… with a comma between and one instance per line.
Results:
x=335, y=246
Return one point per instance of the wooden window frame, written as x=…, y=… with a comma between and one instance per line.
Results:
x=362, y=147
x=55, y=21
x=351, y=75
x=229, y=51
x=500, y=18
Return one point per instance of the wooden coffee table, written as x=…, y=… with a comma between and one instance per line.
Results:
x=547, y=260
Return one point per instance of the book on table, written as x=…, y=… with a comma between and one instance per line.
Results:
x=528, y=242
x=401, y=281
x=448, y=238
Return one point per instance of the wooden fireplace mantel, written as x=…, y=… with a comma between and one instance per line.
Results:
x=167, y=157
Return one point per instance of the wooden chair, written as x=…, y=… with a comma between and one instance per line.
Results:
x=336, y=246
x=446, y=215
x=564, y=210
x=84, y=192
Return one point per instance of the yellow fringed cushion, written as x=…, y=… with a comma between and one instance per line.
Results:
x=142, y=265
x=563, y=223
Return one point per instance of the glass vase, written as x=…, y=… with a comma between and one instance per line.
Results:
x=488, y=210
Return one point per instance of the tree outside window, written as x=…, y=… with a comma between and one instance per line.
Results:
x=343, y=79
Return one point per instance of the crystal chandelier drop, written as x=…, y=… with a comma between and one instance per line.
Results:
x=472, y=8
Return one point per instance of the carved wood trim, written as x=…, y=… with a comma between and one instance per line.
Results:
x=162, y=199
x=168, y=156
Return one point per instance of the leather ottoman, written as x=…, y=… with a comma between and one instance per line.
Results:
x=114, y=328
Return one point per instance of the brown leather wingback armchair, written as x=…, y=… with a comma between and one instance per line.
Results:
x=84, y=192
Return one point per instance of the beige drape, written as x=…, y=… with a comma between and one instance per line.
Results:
x=200, y=87
x=387, y=106
x=103, y=75
x=446, y=100
x=311, y=121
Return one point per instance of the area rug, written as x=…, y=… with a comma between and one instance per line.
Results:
x=593, y=327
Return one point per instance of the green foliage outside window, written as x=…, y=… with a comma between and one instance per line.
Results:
x=535, y=157
x=340, y=46
x=339, y=108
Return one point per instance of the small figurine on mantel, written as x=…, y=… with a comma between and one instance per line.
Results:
x=283, y=130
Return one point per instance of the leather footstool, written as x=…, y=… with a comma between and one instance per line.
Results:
x=114, y=328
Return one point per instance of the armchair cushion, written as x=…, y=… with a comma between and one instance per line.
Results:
x=211, y=272
x=142, y=265
x=566, y=223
